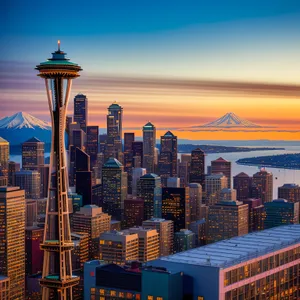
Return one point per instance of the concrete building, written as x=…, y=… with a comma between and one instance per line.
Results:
x=92, y=220
x=148, y=243
x=263, y=182
x=227, y=219
x=33, y=154
x=222, y=166
x=184, y=240
x=165, y=229
x=12, y=240
x=213, y=186
x=80, y=253
x=118, y=247
x=290, y=192
x=258, y=265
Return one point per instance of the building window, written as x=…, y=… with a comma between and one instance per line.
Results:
x=113, y=293
x=150, y=298
x=159, y=298
x=102, y=292
x=200, y=298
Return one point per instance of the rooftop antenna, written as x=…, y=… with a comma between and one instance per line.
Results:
x=58, y=45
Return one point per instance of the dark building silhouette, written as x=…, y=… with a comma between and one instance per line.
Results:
x=197, y=169
x=92, y=143
x=242, y=184
x=13, y=167
x=137, y=150
x=149, y=141
x=81, y=111
x=128, y=158
x=32, y=154
x=133, y=212
x=263, y=186
x=256, y=214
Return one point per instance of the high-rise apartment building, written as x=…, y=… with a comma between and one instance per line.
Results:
x=227, y=219
x=146, y=186
x=167, y=164
x=242, y=184
x=81, y=111
x=4, y=155
x=80, y=253
x=281, y=212
x=290, y=192
x=223, y=166
x=148, y=243
x=149, y=142
x=197, y=167
x=176, y=207
x=92, y=143
x=30, y=182
x=33, y=154
x=93, y=221
x=263, y=181
x=213, y=186
x=165, y=229
x=184, y=240
x=118, y=247
x=12, y=239
x=114, y=188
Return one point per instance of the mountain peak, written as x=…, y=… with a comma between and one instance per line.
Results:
x=23, y=120
x=231, y=120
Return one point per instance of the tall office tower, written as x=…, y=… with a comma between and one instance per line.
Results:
x=83, y=176
x=256, y=214
x=32, y=154
x=186, y=157
x=78, y=138
x=102, y=143
x=227, y=194
x=281, y=212
x=148, y=243
x=195, y=195
x=176, y=207
x=99, y=164
x=114, y=131
x=167, y=164
x=223, y=166
x=80, y=253
x=30, y=182
x=4, y=288
x=199, y=228
x=290, y=192
x=92, y=220
x=92, y=143
x=128, y=141
x=213, y=186
x=30, y=213
x=44, y=173
x=184, y=240
x=57, y=277
x=149, y=141
x=133, y=212
x=146, y=186
x=3, y=179
x=114, y=188
x=13, y=167
x=227, y=219
x=33, y=253
x=242, y=184
x=183, y=173
x=157, y=202
x=81, y=111
x=137, y=173
x=137, y=150
x=119, y=247
x=263, y=181
x=165, y=229
x=73, y=126
x=12, y=241
x=4, y=155
x=197, y=169
x=173, y=182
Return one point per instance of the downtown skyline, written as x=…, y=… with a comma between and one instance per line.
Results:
x=177, y=72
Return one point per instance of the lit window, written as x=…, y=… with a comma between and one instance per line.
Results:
x=150, y=298
x=200, y=298
x=102, y=292
x=113, y=293
x=159, y=298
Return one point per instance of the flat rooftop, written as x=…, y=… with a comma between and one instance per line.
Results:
x=236, y=250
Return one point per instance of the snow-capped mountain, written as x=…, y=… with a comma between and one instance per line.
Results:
x=231, y=120
x=22, y=126
x=23, y=120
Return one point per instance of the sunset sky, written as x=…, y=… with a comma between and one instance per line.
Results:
x=179, y=64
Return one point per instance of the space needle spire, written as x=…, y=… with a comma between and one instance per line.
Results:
x=57, y=278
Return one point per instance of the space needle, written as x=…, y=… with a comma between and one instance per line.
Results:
x=57, y=278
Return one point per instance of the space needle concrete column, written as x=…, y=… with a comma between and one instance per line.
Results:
x=57, y=278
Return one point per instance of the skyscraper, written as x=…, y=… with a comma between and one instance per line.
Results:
x=242, y=184
x=4, y=155
x=128, y=141
x=256, y=214
x=184, y=240
x=195, y=195
x=137, y=173
x=114, y=188
x=227, y=219
x=149, y=141
x=128, y=158
x=12, y=239
x=168, y=157
x=81, y=111
x=290, y=192
x=137, y=149
x=176, y=207
x=281, y=212
x=32, y=154
x=146, y=186
x=13, y=167
x=57, y=276
x=197, y=169
x=263, y=181
x=133, y=212
x=30, y=181
x=114, y=131
x=92, y=143
x=223, y=166
x=213, y=186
